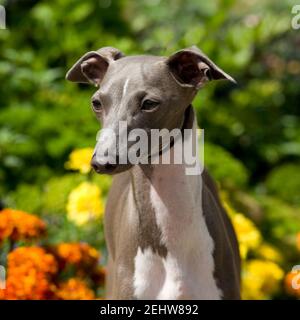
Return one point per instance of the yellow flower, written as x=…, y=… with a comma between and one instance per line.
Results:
x=268, y=252
x=85, y=203
x=260, y=279
x=248, y=235
x=80, y=159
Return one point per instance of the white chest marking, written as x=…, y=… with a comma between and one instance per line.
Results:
x=149, y=274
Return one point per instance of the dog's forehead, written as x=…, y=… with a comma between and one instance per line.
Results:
x=137, y=69
x=141, y=60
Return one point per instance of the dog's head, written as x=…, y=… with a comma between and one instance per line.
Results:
x=139, y=92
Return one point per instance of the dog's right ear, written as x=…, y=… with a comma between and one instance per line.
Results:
x=92, y=66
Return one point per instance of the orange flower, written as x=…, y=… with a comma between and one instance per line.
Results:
x=19, y=225
x=79, y=254
x=292, y=283
x=29, y=275
x=74, y=289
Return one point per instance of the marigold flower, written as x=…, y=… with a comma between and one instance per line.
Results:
x=19, y=225
x=292, y=283
x=80, y=159
x=261, y=279
x=248, y=235
x=30, y=273
x=79, y=254
x=85, y=203
x=74, y=289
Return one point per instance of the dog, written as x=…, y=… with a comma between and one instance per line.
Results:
x=167, y=233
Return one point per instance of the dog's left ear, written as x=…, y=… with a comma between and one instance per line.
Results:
x=92, y=66
x=192, y=68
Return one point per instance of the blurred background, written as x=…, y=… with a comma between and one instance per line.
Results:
x=51, y=233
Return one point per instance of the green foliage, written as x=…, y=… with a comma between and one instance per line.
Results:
x=104, y=182
x=224, y=167
x=26, y=197
x=62, y=230
x=56, y=192
x=280, y=222
x=42, y=118
x=284, y=182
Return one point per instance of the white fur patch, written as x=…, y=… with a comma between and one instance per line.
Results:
x=149, y=274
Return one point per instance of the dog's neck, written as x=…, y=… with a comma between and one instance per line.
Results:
x=169, y=205
x=144, y=173
x=147, y=179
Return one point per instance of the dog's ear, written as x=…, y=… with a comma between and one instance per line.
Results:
x=92, y=66
x=192, y=68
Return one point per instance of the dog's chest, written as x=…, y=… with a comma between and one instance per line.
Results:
x=186, y=269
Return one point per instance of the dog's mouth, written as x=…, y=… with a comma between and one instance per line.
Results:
x=111, y=169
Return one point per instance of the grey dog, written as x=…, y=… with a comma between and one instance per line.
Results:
x=167, y=233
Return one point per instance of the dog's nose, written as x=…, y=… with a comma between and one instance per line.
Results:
x=103, y=167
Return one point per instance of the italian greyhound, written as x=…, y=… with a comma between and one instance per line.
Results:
x=168, y=235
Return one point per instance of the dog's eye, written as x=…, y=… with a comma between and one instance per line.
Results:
x=149, y=105
x=97, y=106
